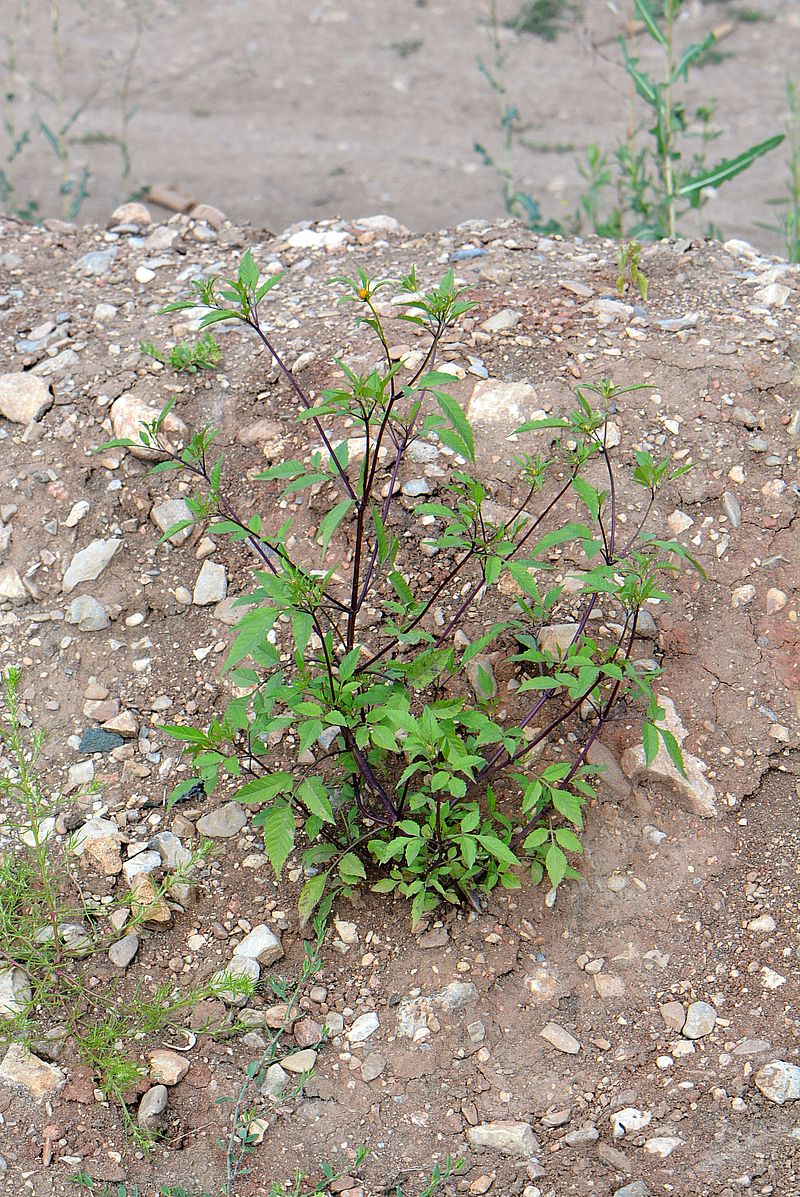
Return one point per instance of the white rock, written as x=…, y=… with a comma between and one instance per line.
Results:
x=774, y=295
x=211, y=585
x=88, y=613
x=322, y=239
x=103, y=312
x=779, y=1081
x=694, y=791
x=11, y=587
x=123, y=951
x=223, y=823
x=24, y=397
x=629, y=1121
x=261, y=944
x=770, y=979
x=700, y=1020
x=275, y=1081
x=302, y=1061
x=509, y=1138
x=166, y=1067
x=679, y=521
x=662, y=1145
x=363, y=1027
x=559, y=1038
x=15, y=992
x=144, y=274
x=240, y=966
x=764, y=922
x=151, y=1107
x=742, y=596
x=505, y=403
x=132, y=212
x=23, y=1070
x=347, y=932
x=169, y=512
x=129, y=412
x=88, y=564
x=502, y=321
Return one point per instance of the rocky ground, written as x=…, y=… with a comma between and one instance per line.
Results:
x=639, y=1034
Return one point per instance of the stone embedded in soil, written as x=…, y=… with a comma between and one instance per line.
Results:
x=608, y=986
x=637, y=1189
x=169, y=512
x=211, y=585
x=542, y=985
x=298, y=1062
x=363, y=1028
x=24, y=398
x=700, y=1020
x=674, y=1015
x=152, y=1107
x=223, y=823
x=88, y=564
x=496, y=402
x=142, y=862
x=559, y=1038
x=509, y=1138
x=167, y=1067
x=129, y=412
x=146, y=902
x=557, y=637
x=275, y=1081
x=764, y=923
x=583, y=1136
x=502, y=321
x=629, y=1121
x=456, y=995
x=87, y=613
x=171, y=850
x=732, y=509
x=23, y=1070
x=123, y=951
x=480, y=674
x=662, y=1145
x=15, y=992
x=612, y=779
x=239, y=966
x=779, y=1081
x=261, y=944
x=95, y=739
x=373, y=1067
x=11, y=585
x=694, y=791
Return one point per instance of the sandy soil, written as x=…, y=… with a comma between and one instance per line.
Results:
x=279, y=112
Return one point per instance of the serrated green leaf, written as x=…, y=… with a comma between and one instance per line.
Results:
x=312, y=794
x=556, y=864
x=452, y=409
x=674, y=749
x=278, y=829
x=310, y=895
x=726, y=169
x=248, y=271
x=351, y=870
x=649, y=741
x=568, y=840
x=496, y=848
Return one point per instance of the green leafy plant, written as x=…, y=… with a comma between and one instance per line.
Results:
x=205, y=354
x=630, y=275
x=414, y=771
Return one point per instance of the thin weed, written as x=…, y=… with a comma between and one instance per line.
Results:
x=205, y=354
